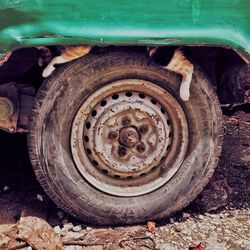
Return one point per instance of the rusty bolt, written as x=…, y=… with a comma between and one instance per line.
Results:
x=128, y=137
x=112, y=135
x=141, y=147
x=143, y=129
x=126, y=121
x=122, y=151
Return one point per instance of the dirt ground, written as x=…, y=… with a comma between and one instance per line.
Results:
x=218, y=219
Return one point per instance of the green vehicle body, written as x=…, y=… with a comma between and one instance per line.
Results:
x=220, y=23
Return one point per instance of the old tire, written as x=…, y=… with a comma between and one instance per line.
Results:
x=100, y=184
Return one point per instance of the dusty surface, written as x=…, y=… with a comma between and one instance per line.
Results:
x=205, y=221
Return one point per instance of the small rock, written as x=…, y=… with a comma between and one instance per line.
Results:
x=73, y=248
x=29, y=248
x=39, y=197
x=171, y=220
x=57, y=229
x=211, y=215
x=88, y=228
x=77, y=228
x=68, y=226
x=218, y=192
x=69, y=235
x=161, y=240
x=192, y=226
x=70, y=248
x=199, y=216
x=6, y=188
x=216, y=222
x=151, y=225
x=185, y=231
x=148, y=234
x=185, y=215
x=93, y=238
x=189, y=238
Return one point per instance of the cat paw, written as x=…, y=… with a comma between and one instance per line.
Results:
x=184, y=95
x=48, y=71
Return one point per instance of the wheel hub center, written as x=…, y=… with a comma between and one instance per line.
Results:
x=129, y=137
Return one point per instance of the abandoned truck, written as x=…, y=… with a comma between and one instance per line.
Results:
x=111, y=136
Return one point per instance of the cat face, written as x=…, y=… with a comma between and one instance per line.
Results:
x=45, y=56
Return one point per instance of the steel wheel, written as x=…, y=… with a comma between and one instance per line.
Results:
x=111, y=142
x=129, y=138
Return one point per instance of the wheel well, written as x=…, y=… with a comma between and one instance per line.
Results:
x=227, y=71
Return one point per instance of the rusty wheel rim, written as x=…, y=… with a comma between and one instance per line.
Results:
x=129, y=138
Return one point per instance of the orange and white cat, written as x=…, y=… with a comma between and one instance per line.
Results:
x=178, y=63
x=68, y=54
x=181, y=65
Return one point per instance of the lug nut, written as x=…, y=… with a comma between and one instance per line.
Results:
x=141, y=148
x=126, y=121
x=143, y=129
x=122, y=151
x=112, y=135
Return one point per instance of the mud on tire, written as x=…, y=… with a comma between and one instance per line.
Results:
x=57, y=104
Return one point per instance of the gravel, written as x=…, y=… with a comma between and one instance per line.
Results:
x=225, y=225
x=77, y=228
x=225, y=230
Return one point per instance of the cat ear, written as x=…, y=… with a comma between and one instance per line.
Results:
x=152, y=51
x=40, y=62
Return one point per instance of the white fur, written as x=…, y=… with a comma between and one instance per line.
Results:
x=185, y=87
x=50, y=67
x=180, y=64
x=76, y=52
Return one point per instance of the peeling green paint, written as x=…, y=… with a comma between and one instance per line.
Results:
x=142, y=22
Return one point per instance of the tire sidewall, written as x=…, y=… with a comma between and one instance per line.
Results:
x=56, y=104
